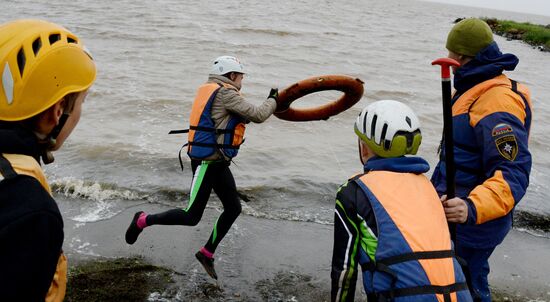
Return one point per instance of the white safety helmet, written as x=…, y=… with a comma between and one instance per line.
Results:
x=389, y=128
x=226, y=64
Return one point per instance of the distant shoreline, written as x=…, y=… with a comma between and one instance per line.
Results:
x=535, y=35
x=530, y=7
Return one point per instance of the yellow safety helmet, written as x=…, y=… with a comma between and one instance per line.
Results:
x=40, y=63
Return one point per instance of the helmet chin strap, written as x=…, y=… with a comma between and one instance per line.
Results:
x=51, y=140
x=360, y=153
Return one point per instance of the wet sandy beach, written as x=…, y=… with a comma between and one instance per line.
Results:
x=272, y=260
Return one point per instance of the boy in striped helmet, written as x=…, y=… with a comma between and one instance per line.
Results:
x=389, y=219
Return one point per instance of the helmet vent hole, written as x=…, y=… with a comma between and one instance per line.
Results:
x=365, y=122
x=373, y=126
x=54, y=38
x=384, y=130
x=408, y=120
x=71, y=40
x=36, y=45
x=410, y=138
x=21, y=60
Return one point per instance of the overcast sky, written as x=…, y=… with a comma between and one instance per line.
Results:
x=537, y=7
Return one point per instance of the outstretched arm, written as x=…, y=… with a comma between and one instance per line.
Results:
x=235, y=103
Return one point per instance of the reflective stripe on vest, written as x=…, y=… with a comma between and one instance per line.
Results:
x=203, y=135
x=414, y=255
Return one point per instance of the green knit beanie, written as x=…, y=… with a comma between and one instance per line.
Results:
x=469, y=36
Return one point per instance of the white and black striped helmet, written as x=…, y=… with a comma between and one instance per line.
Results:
x=390, y=128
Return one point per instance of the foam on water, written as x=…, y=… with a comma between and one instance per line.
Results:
x=98, y=202
x=77, y=188
x=96, y=212
x=101, y=203
x=84, y=248
x=290, y=215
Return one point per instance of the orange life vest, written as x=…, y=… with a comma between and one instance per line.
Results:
x=203, y=134
x=27, y=165
x=414, y=260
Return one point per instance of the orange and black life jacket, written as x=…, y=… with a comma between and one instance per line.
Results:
x=203, y=134
x=414, y=259
x=14, y=165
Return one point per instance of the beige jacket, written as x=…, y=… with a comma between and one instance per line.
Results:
x=229, y=102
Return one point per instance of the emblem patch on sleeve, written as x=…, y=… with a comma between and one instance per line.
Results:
x=505, y=140
x=502, y=129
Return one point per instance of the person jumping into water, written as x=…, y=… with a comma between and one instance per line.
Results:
x=216, y=131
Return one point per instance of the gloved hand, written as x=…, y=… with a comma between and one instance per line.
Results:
x=273, y=94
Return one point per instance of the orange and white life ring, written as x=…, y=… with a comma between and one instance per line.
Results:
x=351, y=87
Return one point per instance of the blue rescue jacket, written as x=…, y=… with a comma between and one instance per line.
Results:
x=491, y=122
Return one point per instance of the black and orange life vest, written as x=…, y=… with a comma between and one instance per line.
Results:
x=12, y=165
x=203, y=134
x=414, y=259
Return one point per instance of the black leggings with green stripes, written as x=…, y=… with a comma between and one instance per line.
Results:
x=207, y=175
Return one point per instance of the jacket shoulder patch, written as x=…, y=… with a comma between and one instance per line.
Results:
x=505, y=140
x=501, y=129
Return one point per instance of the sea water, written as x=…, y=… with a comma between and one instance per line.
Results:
x=152, y=56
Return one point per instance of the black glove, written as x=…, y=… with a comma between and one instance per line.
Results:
x=273, y=94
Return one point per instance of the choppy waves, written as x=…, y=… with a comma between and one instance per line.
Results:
x=100, y=198
x=94, y=191
x=151, y=60
x=101, y=201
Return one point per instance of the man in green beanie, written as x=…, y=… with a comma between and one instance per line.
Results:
x=491, y=123
x=468, y=37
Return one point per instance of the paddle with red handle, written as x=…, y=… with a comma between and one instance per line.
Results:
x=450, y=169
x=446, y=65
